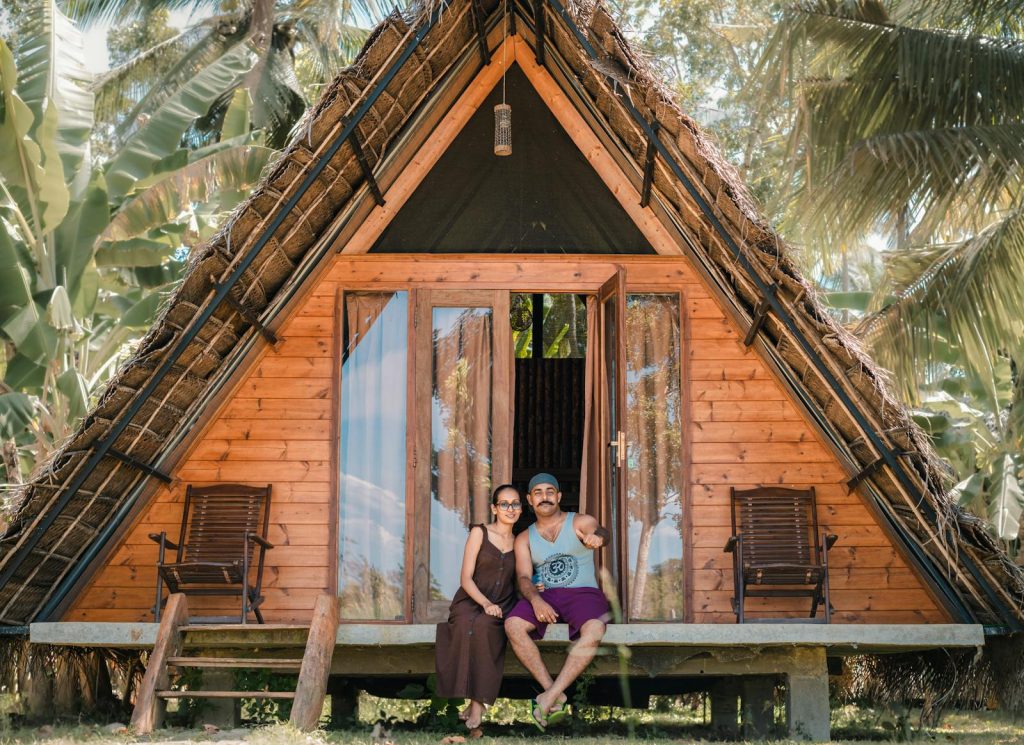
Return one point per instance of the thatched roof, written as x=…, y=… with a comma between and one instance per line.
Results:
x=728, y=240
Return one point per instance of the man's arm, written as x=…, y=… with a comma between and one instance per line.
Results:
x=590, y=533
x=524, y=567
x=524, y=576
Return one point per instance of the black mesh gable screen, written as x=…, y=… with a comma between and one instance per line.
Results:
x=544, y=198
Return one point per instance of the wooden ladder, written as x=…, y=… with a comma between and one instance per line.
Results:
x=168, y=655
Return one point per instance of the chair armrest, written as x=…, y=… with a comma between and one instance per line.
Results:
x=730, y=545
x=830, y=540
x=260, y=540
x=156, y=538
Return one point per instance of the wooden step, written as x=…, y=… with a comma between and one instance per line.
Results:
x=242, y=636
x=267, y=663
x=225, y=694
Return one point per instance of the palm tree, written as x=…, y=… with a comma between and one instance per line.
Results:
x=909, y=124
x=300, y=46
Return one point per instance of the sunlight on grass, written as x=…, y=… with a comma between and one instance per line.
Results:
x=416, y=722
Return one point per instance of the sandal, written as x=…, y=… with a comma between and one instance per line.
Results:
x=558, y=714
x=539, y=721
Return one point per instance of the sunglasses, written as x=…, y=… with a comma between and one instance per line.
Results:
x=509, y=506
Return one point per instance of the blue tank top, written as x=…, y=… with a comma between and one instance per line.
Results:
x=564, y=563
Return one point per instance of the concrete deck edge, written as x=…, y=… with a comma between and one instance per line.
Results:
x=839, y=638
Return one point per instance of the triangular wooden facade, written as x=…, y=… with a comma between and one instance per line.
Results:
x=214, y=401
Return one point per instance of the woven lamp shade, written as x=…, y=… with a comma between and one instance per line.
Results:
x=502, y=129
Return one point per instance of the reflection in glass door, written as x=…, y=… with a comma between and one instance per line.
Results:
x=460, y=437
x=371, y=533
x=654, y=472
x=467, y=356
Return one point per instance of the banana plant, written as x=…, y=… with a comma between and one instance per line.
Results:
x=87, y=251
x=981, y=434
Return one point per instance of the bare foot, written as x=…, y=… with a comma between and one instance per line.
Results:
x=476, y=715
x=547, y=703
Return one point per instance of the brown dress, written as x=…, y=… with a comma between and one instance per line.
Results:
x=470, y=649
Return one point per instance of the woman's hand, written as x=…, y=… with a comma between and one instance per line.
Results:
x=493, y=610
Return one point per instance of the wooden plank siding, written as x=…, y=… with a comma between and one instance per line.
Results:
x=277, y=427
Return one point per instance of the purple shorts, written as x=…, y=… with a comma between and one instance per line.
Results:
x=574, y=605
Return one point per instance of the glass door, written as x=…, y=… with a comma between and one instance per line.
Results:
x=611, y=401
x=462, y=442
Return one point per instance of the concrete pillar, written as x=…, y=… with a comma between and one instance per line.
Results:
x=225, y=713
x=725, y=694
x=807, y=709
x=344, y=704
x=758, y=712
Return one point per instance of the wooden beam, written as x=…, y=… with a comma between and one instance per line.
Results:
x=316, y=664
x=417, y=169
x=150, y=708
x=542, y=273
x=595, y=153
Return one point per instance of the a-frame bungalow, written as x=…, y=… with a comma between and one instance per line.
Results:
x=398, y=318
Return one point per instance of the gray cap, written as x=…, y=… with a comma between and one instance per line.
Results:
x=543, y=478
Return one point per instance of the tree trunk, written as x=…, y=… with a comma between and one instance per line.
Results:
x=12, y=464
x=67, y=687
x=261, y=31
x=643, y=550
x=37, y=689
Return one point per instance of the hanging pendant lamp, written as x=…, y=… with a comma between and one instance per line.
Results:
x=502, y=111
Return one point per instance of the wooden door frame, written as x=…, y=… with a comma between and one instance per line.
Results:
x=468, y=280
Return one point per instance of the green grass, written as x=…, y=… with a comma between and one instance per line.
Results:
x=600, y=725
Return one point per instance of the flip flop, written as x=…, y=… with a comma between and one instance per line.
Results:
x=557, y=715
x=539, y=721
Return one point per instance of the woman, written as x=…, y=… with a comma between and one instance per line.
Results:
x=470, y=651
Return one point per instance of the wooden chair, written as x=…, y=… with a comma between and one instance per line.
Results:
x=777, y=549
x=221, y=528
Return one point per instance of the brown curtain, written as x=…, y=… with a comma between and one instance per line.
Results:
x=593, y=438
x=653, y=421
x=462, y=391
x=361, y=310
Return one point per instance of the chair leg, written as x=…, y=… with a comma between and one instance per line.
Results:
x=160, y=577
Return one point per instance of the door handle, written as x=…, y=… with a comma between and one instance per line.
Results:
x=619, y=444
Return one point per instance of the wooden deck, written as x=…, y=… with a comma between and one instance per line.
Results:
x=837, y=639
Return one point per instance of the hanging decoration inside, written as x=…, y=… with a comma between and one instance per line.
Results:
x=502, y=111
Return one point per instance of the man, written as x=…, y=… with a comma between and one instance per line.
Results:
x=557, y=552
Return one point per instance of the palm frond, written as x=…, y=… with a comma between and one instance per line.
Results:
x=123, y=87
x=967, y=294
x=90, y=12
x=869, y=90
x=146, y=150
x=221, y=36
x=929, y=171
x=231, y=169
x=989, y=17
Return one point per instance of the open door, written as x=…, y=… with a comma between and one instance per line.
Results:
x=461, y=438
x=611, y=419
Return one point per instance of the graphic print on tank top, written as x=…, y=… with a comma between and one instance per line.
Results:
x=560, y=570
x=564, y=562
